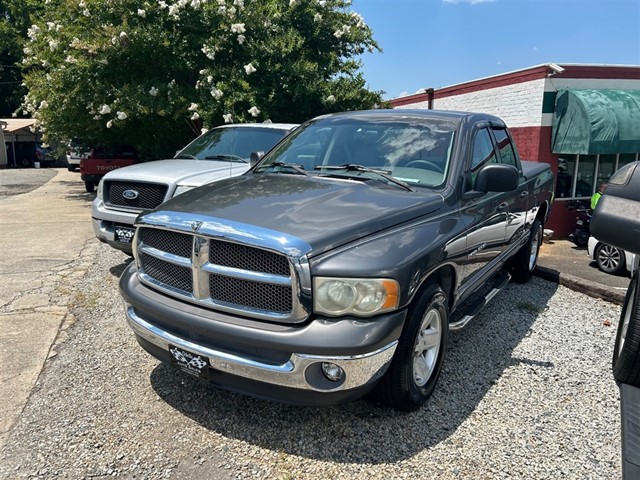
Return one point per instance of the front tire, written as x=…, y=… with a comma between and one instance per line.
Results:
x=626, y=352
x=525, y=261
x=610, y=259
x=415, y=368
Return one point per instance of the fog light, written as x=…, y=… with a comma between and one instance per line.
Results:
x=333, y=372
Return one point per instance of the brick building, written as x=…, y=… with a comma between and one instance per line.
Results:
x=584, y=120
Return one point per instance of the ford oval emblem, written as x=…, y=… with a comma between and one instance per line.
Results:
x=130, y=194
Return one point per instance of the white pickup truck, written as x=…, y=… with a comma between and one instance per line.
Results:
x=220, y=153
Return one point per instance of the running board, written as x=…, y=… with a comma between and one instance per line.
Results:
x=474, y=307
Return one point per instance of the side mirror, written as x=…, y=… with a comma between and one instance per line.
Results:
x=494, y=178
x=255, y=157
x=497, y=178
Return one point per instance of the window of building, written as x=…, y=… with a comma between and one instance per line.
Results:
x=579, y=176
x=625, y=158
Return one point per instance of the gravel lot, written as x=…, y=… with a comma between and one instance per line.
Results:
x=526, y=392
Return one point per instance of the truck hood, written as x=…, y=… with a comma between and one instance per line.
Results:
x=323, y=212
x=179, y=171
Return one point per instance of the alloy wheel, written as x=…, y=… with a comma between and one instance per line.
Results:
x=427, y=347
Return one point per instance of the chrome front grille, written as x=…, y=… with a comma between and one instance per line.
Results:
x=148, y=195
x=220, y=274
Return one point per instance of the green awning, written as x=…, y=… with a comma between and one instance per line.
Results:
x=596, y=121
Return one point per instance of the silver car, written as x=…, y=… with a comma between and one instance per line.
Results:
x=220, y=153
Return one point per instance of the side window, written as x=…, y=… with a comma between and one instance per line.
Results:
x=507, y=154
x=483, y=152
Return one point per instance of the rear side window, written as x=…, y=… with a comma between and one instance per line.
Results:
x=505, y=148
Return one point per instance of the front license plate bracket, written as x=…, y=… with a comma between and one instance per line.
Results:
x=190, y=363
x=123, y=234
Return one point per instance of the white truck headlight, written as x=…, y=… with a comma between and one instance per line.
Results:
x=100, y=192
x=354, y=296
x=181, y=189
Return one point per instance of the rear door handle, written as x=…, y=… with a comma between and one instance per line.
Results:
x=504, y=206
x=524, y=194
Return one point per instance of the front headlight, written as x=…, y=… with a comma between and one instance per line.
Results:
x=180, y=189
x=354, y=296
x=100, y=193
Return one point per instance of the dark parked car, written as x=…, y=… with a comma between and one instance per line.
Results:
x=26, y=154
x=616, y=221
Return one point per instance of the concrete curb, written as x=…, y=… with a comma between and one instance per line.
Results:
x=572, y=282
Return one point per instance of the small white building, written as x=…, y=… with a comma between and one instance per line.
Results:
x=15, y=131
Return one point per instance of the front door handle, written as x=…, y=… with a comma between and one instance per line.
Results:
x=503, y=207
x=524, y=194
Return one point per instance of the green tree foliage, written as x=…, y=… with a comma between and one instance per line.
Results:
x=153, y=73
x=15, y=18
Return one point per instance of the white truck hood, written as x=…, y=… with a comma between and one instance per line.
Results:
x=179, y=172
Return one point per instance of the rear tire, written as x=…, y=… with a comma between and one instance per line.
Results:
x=610, y=259
x=626, y=352
x=525, y=261
x=415, y=368
x=89, y=186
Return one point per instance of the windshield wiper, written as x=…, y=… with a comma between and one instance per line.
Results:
x=186, y=155
x=227, y=157
x=350, y=167
x=292, y=166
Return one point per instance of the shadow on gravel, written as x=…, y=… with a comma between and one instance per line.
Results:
x=477, y=357
x=76, y=191
x=117, y=270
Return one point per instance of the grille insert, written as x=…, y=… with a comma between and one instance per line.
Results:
x=167, y=273
x=179, y=244
x=261, y=296
x=247, y=258
x=150, y=195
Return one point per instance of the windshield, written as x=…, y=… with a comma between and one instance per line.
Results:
x=416, y=152
x=231, y=144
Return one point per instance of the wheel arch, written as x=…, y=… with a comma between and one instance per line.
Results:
x=445, y=276
x=543, y=212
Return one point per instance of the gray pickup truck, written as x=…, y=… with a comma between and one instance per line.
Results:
x=337, y=264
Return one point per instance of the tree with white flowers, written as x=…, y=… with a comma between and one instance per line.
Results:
x=153, y=73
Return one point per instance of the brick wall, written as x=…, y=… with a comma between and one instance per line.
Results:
x=518, y=105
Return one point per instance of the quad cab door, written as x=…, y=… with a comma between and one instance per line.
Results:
x=486, y=215
x=518, y=200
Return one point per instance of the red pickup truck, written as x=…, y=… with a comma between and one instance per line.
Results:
x=101, y=161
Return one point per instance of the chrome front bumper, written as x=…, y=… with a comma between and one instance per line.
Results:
x=299, y=372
